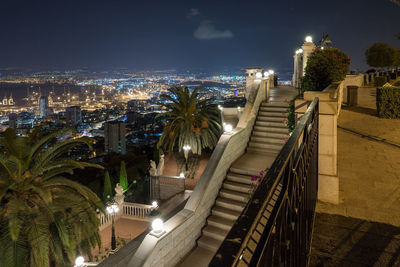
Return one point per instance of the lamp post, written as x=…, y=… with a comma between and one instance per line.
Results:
x=186, y=149
x=112, y=209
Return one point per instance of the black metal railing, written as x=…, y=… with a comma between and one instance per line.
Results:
x=275, y=228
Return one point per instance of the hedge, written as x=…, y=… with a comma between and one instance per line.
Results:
x=388, y=102
x=380, y=80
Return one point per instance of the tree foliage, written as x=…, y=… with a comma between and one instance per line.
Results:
x=123, y=177
x=381, y=55
x=45, y=219
x=190, y=121
x=324, y=66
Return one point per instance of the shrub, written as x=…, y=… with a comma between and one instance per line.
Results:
x=291, y=117
x=324, y=67
x=379, y=81
x=388, y=102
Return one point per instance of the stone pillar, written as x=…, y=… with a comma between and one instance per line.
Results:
x=252, y=81
x=308, y=48
x=328, y=179
x=298, y=68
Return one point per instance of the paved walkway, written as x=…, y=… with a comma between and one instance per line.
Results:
x=343, y=241
x=368, y=164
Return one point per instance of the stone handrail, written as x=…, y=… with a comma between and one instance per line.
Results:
x=332, y=94
x=183, y=229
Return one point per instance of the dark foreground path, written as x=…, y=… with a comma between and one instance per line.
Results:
x=344, y=241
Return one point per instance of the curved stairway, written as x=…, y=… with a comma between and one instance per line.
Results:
x=269, y=135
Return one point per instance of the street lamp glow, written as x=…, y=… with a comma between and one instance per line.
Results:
x=228, y=128
x=181, y=175
x=300, y=50
x=186, y=147
x=112, y=209
x=154, y=204
x=322, y=48
x=79, y=261
x=271, y=72
x=258, y=75
x=266, y=74
x=157, y=225
x=220, y=107
x=309, y=39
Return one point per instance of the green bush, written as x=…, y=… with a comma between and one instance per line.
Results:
x=388, y=102
x=379, y=81
x=291, y=116
x=324, y=66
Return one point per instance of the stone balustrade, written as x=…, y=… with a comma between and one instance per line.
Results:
x=183, y=229
x=127, y=210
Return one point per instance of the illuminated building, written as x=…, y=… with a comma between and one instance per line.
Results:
x=114, y=137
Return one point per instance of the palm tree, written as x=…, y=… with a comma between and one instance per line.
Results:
x=45, y=219
x=190, y=121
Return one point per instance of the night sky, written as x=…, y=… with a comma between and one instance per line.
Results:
x=186, y=34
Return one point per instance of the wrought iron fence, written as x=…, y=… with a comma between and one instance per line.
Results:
x=275, y=228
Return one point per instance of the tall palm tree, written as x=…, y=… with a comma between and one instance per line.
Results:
x=45, y=219
x=190, y=121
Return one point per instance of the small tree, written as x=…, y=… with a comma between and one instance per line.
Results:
x=381, y=55
x=107, y=191
x=324, y=66
x=123, y=177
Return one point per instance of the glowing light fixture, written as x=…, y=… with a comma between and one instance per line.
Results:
x=181, y=175
x=258, y=75
x=186, y=147
x=154, y=204
x=158, y=227
x=112, y=209
x=271, y=72
x=322, y=48
x=300, y=50
x=228, y=128
x=79, y=261
x=266, y=74
x=309, y=39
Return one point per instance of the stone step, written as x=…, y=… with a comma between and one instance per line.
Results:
x=230, y=204
x=225, y=213
x=266, y=145
x=244, y=171
x=260, y=128
x=209, y=243
x=239, y=178
x=271, y=140
x=273, y=114
x=220, y=222
x=262, y=151
x=215, y=232
x=273, y=109
x=271, y=124
x=274, y=104
x=233, y=195
x=273, y=119
x=235, y=186
x=270, y=135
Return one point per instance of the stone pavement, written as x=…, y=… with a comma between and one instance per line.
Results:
x=343, y=241
x=368, y=164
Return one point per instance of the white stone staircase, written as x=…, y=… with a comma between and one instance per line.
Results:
x=268, y=137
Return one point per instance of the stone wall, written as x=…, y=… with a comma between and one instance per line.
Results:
x=183, y=229
x=330, y=101
x=355, y=80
